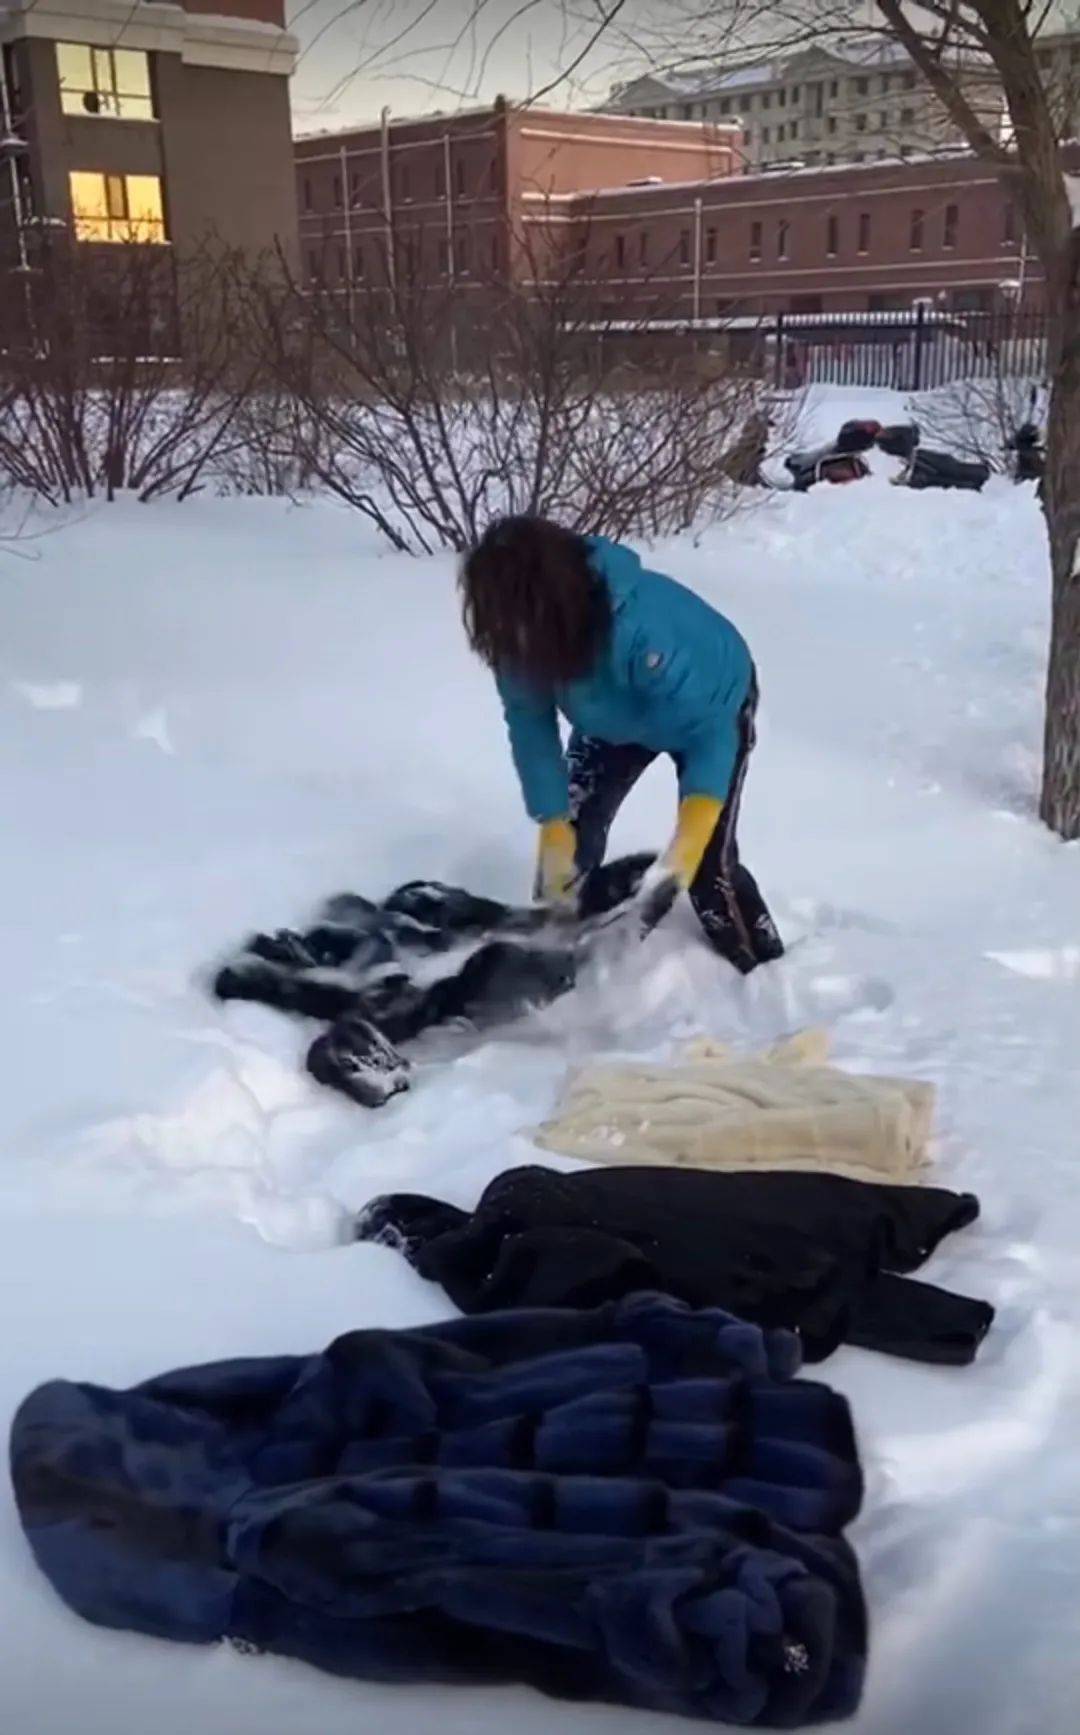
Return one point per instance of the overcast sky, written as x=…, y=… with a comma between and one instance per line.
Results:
x=423, y=54
x=418, y=55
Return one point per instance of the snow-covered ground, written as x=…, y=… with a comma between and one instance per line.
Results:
x=212, y=715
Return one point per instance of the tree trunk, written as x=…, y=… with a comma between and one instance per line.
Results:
x=1061, y=498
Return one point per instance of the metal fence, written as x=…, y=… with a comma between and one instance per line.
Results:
x=909, y=352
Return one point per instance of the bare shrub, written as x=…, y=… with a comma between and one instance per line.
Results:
x=432, y=407
x=124, y=371
x=977, y=419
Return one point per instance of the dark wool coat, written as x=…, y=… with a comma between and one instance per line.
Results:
x=812, y=1252
x=355, y=970
x=636, y=1503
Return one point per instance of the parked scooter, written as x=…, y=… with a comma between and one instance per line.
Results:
x=924, y=469
x=839, y=460
x=1028, y=453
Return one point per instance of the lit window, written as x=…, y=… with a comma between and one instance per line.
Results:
x=117, y=207
x=108, y=82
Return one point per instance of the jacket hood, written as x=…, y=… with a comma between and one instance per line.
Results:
x=618, y=566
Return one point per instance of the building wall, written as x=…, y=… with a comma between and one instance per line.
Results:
x=221, y=140
x=497, y=158
x=446, y=181
x=813, y=241
x=816, y=108
x=243, y=191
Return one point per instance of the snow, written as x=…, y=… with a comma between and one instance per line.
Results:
x=214, y=714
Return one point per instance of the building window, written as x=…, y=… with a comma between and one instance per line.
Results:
x=834, y=87
x=793, y=128
x=459, y=178
x=907, y=117
x=909, y=81
x=862, y=87
x=886, y=83
x=404, y=186
x=463, y=254
x=783, y=230
x=313, y=266
x=748, y=104
x=337, y=192
x=864, y=232
x=952, y=225
x=781, y=134
x=341, y=262
x=766, y=135
x=687, y=111
x=110, y=82
x=684, y=246
x=832, y=123
x=116, y=207
x=1008, y=233
x=795, y=93
x=710, y=246
x=444, y=257
x=883, y=119
x=755, y=240
x=358, y=263
x=916, y=240
x=860, y=123
x=496, y=251
x=309, y=203
x=766, y=99
x=643, y=247
x=620, y=252
x=355, y=195
x=832, y=237
x=493, y=175
x=725, y=105
x=781, y=97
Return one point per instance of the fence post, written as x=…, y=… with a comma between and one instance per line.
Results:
x=778, y=379
x=920, y=340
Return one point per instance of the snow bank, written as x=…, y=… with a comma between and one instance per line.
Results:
x=215, y=714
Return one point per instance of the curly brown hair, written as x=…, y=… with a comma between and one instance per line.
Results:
x=531, y=602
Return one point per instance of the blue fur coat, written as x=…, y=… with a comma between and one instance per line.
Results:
x=636, y=1503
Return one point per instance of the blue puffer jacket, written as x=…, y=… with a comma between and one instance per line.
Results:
x=673, y=676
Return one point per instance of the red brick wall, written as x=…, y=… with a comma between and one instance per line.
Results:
x=844, y=236
x=341, y=197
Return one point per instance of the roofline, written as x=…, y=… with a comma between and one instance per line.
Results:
x=572, y=117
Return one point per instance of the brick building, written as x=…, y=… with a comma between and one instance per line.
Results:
x=466, y=197
x=656, y=214
x=134, y=120
x=872, y=237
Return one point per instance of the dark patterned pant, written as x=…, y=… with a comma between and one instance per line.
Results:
x=725, y=894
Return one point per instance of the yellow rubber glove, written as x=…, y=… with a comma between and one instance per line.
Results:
x=556, y=872
x=698, y=815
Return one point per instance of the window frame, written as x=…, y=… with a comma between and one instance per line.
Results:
x=107, y=93
x=112, y=223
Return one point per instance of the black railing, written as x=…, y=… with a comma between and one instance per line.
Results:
x=911, y=352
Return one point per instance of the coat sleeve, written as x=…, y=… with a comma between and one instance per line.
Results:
x=533, y=726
